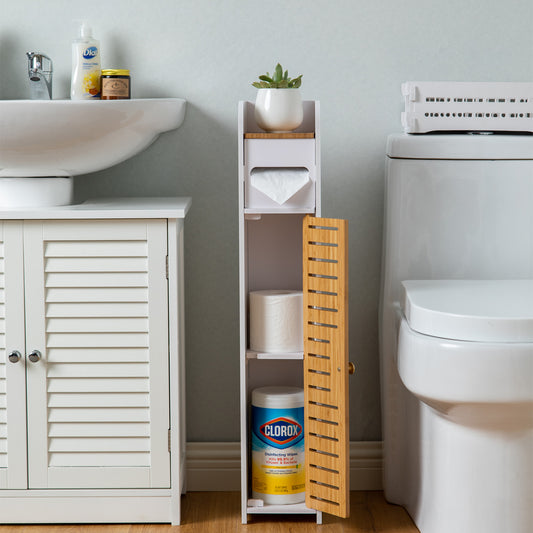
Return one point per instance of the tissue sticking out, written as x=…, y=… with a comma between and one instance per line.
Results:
x=279, y=184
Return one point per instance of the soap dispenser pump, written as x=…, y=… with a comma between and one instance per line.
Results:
x=86, y=70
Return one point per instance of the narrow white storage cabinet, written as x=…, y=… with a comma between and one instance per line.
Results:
x=92, y=394
x=270, y=255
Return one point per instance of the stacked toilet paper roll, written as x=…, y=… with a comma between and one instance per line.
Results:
x=276, y=321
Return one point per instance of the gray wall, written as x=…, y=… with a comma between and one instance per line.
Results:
x=353, y=56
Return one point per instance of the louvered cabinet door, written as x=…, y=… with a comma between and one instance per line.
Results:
x=96, y=309
x=326, y=367
x=13, y=472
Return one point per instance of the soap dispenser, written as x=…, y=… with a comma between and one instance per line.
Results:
x=86, y=70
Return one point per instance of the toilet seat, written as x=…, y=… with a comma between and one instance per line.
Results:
x=470, y=310
x=450, y=371
x=467, y=341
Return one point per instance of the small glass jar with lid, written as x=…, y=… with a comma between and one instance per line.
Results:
x=116, y=84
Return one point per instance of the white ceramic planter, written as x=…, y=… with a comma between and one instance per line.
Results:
x=278, y=110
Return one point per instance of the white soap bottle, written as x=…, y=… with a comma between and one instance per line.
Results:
x=86, y=70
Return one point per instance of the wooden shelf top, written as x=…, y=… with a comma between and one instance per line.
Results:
x=287, y=135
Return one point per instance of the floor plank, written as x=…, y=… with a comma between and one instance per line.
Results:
x=219, y=512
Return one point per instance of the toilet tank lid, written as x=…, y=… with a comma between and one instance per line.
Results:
x=470, y=310
x=460, y=146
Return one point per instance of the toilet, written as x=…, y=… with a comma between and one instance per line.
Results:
x=456, y=331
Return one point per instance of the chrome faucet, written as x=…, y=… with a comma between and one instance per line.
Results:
x=40, y=74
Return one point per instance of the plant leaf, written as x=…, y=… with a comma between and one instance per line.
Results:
x=278, y=74
x=296, y=82
x=265, y=78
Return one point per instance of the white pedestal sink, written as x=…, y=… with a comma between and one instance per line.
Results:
x=44, y=143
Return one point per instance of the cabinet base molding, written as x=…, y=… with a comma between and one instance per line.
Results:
x=116, y=506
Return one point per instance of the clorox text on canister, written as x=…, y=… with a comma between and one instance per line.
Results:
x=278, y=473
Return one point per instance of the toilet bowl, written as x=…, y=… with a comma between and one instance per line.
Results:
x=465, y=350
x=456, y=332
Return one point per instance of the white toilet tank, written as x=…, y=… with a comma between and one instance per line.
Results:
x=461, y=205
x=457, y=207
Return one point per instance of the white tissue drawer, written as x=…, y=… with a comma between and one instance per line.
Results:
x=286, y=158
x=284, y=152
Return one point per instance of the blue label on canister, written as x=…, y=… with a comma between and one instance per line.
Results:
x=278, y=468
x=280, y=428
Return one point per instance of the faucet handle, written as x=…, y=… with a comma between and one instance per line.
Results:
x=37, y=61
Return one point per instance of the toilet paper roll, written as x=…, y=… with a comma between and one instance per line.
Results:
x=276, y=321
x=279, y=184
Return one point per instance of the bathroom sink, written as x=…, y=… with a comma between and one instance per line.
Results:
x=42, y=141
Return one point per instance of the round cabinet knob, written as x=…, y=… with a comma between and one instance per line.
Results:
x=351, y=368
x=34, y=356
x=14, y=356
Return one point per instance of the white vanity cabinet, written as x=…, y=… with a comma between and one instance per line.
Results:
x=92, y=362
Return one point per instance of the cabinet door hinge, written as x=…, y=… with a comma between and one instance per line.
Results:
x=166, y=266
x=169, y=441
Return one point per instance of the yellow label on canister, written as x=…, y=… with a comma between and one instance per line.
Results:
x=278, y=480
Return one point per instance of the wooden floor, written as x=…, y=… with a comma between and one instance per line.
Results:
x=219, y=512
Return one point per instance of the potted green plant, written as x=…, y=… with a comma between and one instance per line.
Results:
x=278, y=106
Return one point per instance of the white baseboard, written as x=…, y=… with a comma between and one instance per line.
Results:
x=366, y=463
x=213, y=466
x=216, y=466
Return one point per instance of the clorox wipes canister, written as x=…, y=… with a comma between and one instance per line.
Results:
x=278, y=473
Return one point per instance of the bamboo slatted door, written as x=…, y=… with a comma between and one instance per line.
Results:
x=326, y=367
